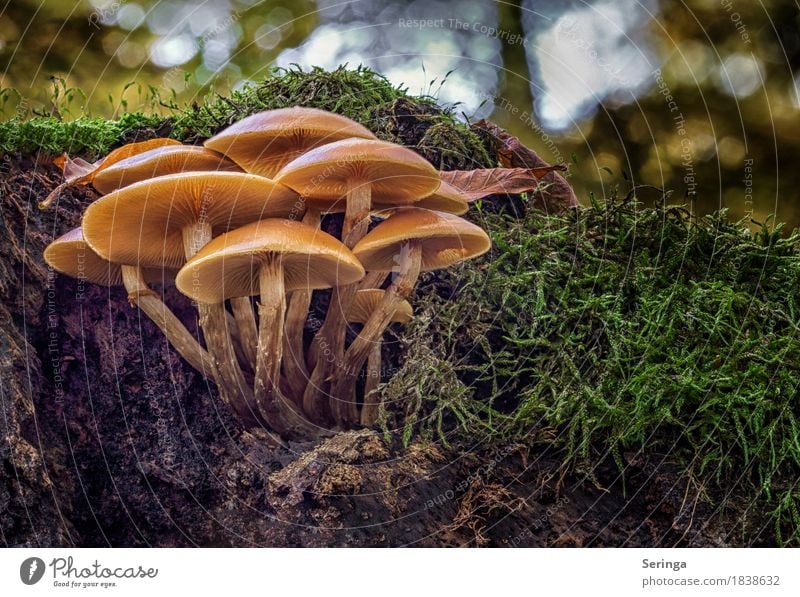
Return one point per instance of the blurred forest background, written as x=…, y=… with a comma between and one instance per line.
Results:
x=698, y=97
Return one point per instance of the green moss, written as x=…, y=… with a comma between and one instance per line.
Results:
x=90, y=137
x=352, y=93
x=621, y=331
x=360, y=94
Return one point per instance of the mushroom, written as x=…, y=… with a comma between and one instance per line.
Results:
x=164, y=221
x=169, y=159
x=268, y=258
x=446, y=198
x=411, y=241
x=71, y=255
x=81, y=172
x=263, y=143
x=172, y=159
x=360, y=170
x=363, y=306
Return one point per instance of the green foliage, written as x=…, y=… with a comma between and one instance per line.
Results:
x=360, y=94
x=622, y=332
x=87, y=136
x=352, y=93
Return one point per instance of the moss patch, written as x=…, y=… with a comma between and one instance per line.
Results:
x=360, y=94
x=626, y=333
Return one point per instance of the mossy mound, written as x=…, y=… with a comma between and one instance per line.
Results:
x=361, y=94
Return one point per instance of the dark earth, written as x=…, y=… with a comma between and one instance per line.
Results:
x=108, y=439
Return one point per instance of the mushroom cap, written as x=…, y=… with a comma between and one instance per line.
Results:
x=396, y=175
x=265, y=142
x=366, y=301
x=446, y=198
x=71, y=255
x=142, y=224
x=445, y=239
x=169, y=159
x=228, y=266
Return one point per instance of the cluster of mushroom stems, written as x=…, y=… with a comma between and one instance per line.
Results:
x=235, y=225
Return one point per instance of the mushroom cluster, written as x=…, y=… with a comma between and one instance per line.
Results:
x=240, y=218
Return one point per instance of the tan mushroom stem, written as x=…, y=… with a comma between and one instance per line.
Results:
x=241, y=355
x=214, y=322
x=274, y=406
x=344, y=378
x=369, y=410
x=328, y=348
x=294, y=364
x=356, y=216
x=372, y=280
x=141, y=295
x=246, y=325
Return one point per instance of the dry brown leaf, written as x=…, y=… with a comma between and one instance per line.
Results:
x=557, y=194
x=476, y=184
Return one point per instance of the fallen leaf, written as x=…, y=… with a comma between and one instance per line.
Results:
x=556, y=194
x=476, y=184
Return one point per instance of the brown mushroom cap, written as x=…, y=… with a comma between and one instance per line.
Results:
x=264, y=142
x=71, y=255
x=396, y=175
x=124, y=152
x=161, y=161
x=367, y=301
x=446, y=198
x=228, y=266
x=143, y=223
x=445, y=239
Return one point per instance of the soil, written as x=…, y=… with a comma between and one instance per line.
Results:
x=108, y=438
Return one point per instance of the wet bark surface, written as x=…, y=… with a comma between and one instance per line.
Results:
x=108, y=438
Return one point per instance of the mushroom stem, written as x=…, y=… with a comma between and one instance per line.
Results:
x=246, y=325
x=294, y=363
x=356, y=215
x=233, y=328
x=213, y=320
x=369, y=411
x=140, y=294
x=328, y=348
x=372, y=280
x=343, y=385
x=278, y=412
x=231, y=381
